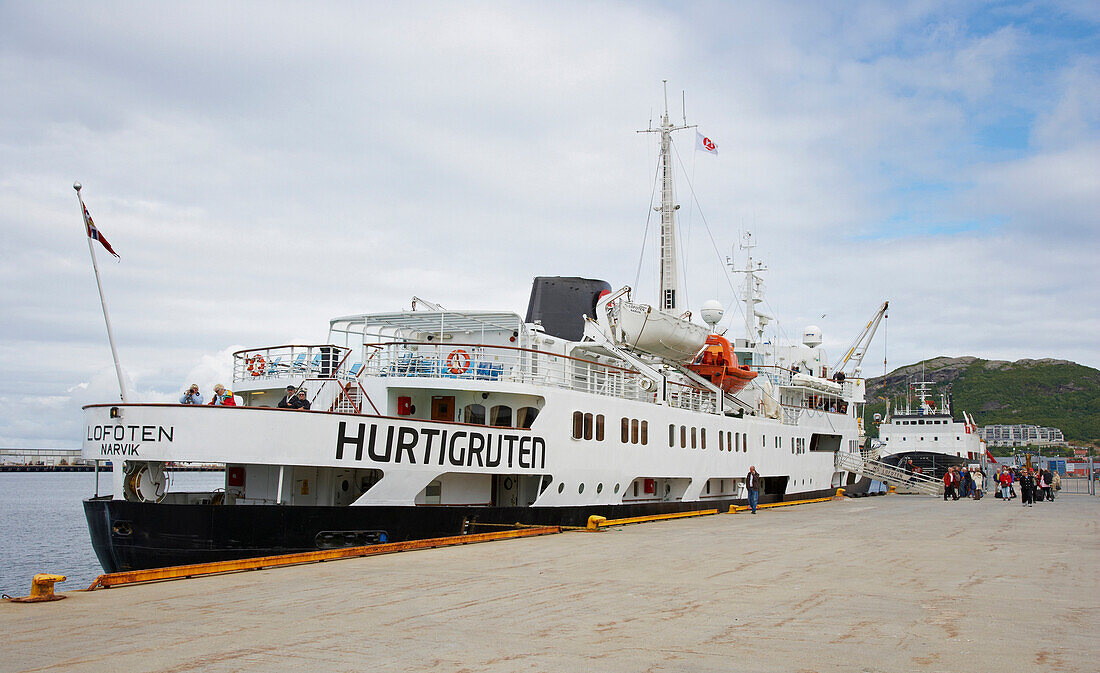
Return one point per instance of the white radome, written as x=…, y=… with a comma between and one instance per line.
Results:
x=712, y=312
x=811, y=336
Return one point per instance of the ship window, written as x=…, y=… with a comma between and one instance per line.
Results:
x=683, y=437
x=721, y=441
x=745, y=442
x=475, y=414
x=624, y=430
x=635, y=489
x=634, y=431
x=935, y=439
x=693, y=437
x=702, y=438
x=708, y=486
x=599, y=427
x=578, y=425
x=500, y=416
x=433, y=490
x=599, y=487
x=616, y=488
x=525, y=416
x=580, y=488
x=672, y=436
x=645, y=432
x=737, y=442
x=588, y=426
x=561, y=487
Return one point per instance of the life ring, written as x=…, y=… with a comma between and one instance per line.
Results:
x=458, y=361
x=256, y=365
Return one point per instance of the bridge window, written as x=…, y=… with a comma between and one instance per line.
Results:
x=599, y=427
x=702, y=438
x=624, y=430
x=645, y=432
x=672, y=436
x=525, y=416
x=683, y=437
x=578, y=424
x=634, y=431
x=500, y=416
x=474, y=413
x=588, y=426
x=693, y=437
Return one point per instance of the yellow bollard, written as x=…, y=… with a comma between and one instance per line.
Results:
x=839, y=493
x=892, y=490
x=594, y=522
x=42, y=589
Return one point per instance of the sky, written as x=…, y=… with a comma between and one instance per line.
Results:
x=264, y=167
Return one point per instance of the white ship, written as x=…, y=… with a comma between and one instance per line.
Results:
x=919, y=434
x=432, y=422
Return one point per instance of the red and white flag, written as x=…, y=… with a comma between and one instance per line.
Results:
x=705, y=144
x=93, y=233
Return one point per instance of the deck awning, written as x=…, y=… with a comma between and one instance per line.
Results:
x=470, y=322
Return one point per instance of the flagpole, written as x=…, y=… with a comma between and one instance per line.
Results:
x=102, y=301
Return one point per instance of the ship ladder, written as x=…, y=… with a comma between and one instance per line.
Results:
x=901, y=480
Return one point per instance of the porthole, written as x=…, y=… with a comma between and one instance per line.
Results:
x=616, y=488
x=561, y=487
x=580, y=488
x=599, y=488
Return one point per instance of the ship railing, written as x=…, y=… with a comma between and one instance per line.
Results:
x=292, y=361
x=480, y=362
x=791, y=414
x=776, y=375
x=690, y=398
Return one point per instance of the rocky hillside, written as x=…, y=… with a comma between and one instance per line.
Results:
x=1050, y=392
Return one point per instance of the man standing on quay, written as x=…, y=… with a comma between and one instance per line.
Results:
x=752, y=483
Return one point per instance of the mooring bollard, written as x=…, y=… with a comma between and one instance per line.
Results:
x=42, y=589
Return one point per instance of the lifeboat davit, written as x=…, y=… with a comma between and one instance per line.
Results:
x=718, y=364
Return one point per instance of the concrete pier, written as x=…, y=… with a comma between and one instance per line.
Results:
x=896, y=583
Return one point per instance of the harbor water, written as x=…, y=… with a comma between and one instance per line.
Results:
x=42, y=527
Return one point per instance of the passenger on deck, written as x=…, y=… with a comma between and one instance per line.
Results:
x=288, y=399
x=192, y=396
x=222, y=397
x=300, y=401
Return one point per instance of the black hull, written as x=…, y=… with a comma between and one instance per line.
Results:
x=931, y=463
x=136, y=536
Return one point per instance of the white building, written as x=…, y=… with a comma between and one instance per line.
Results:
x=1021, y=435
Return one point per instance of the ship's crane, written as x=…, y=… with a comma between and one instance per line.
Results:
x=862, y=342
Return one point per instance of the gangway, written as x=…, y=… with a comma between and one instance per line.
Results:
x=902, y=480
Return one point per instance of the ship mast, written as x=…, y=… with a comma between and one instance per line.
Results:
x=670, y=274
x=754, y=329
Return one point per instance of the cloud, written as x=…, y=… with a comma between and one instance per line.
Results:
x=262, y=169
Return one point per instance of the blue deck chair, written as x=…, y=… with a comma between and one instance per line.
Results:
x=272, y=369
x=299, y=364
x=354, y=371
x=315, y=366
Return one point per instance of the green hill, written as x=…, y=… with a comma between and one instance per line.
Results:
x=1048, y=392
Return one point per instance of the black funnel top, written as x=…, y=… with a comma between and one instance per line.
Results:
x=561, y=302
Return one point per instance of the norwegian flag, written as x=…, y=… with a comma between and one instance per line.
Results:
x=94, y=234
x=705, y=144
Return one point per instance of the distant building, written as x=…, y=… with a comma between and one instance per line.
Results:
x=1021, y=435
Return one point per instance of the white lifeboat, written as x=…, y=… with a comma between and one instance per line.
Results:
x=644, y=328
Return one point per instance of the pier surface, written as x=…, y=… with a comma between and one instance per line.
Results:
x=896, y=583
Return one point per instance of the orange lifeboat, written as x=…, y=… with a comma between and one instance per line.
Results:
x=718, y=364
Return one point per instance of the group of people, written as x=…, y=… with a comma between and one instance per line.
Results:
x=959, y=482
x=1034, y=484
x=295, y=398
x=221, y=397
